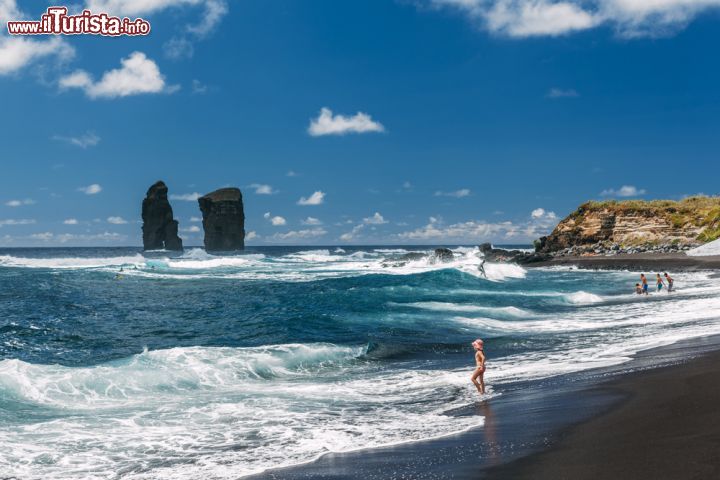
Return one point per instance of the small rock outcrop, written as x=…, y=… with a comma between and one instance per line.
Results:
x=521, y=257
x=443, y=255
x=223, y=220
x=160, y=230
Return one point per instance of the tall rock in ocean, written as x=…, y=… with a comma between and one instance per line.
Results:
x=223, y=220
x=160, y=230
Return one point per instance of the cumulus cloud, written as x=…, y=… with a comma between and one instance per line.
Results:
x=137, y=75
x=629, y=18
x=376, y=219
x=317, y=198
x=16, y=53
x=251, y=235
x=311, y=221
x=542, y=213
x=19, y=203
x=463, y=192
x=299, y=234
x=117, y=220
x=561, y=93
x=470, y=231
x=70, y=221
x=80, y=239
x=262, y=189
x=90, y=189
x=85, y=140
x=186, y=197
x=195, y=219
x=624, y=191
x=191, y=229
x=277, y=221
x=328, y=124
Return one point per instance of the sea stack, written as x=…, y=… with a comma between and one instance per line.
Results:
x=223, y=220
x=160, y=230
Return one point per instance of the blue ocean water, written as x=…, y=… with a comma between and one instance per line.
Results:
x=115, y=364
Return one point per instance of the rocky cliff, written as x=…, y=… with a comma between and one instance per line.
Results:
x=223, y=220
x=160, y=230
x=634, y=226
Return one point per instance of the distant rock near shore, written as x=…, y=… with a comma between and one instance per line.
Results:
x=634, y=226
x=223, y=220
x=160, y=230
x=499, y=255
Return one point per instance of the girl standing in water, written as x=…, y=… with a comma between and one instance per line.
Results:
x=477, y=375
x=660, y=282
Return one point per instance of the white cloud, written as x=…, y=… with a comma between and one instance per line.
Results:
x=352, y=234
x=195, y=219
x=539, y=213
x=277, y=221
x=311, y=221
x=117, y=220
x=17, y=53
x=71, y=221
x=317, y=198
x=299, y=234
x=137, y=75
x=186, y=197
x=463, y=192
x=178, y=48
x=22, y=221
x=291, y=173
x=376, y=219
x=629, y=18
x=63, y=238
x=560, y=93
x=20, y=203
x=328, y=124
x=191, y=229
x=470, y=231
x=262, y=189
x=90, y=189
x=624, y=191
x=87, y=139
x=251, y=235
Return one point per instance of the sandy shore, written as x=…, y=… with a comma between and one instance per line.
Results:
x=669, y=428
x=654, y=262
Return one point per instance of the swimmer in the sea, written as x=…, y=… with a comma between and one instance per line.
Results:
x=477, y=375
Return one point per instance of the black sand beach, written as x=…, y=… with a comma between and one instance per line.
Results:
x=668, y=428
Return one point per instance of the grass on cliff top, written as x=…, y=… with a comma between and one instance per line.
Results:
x=699, y=211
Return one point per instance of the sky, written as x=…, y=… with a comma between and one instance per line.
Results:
x=356, y=122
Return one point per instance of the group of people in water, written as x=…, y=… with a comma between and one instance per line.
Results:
x=642, y=287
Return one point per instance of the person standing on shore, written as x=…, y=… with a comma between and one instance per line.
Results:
x=670, y=282
x=660, y=282
x=644, y=283
x=477, y=375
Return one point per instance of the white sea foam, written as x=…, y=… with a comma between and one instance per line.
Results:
x=219, y=413
x=709, y=249
x=510, y=311
x=70, y=262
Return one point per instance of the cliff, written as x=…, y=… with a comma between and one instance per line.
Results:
x=223, y=220
x=634, y=226
x=160, y=230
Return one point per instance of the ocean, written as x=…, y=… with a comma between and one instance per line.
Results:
x=115, y=364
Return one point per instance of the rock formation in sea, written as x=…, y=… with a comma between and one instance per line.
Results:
x=160, y=230
x=223, y=220
x=634, y=226
x=443, y=255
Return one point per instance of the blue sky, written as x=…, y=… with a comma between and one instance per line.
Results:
x=439, y=121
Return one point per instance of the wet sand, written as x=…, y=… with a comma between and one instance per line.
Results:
x=668, y=428
x=654, y=262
